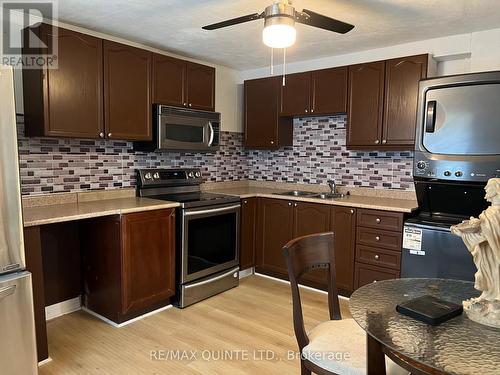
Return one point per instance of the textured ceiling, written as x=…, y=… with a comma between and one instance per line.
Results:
x=175, y=25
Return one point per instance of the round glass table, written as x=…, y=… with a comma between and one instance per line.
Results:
x=458, y=346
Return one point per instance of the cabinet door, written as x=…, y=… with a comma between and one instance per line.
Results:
x=247, y=235
x=329, y=91
x=366, y=103
x=401, y=96
x=73, y=92
x=311, y=218
x=275, y=230
x=127, y=92
x=261, y=113
x=169, y=81
x=295, y=95
x=344, y=227
x=200, y=87
x=148, y=258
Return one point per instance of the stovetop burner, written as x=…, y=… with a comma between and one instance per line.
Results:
x=178, y=185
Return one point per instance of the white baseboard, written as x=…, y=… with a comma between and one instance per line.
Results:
x=300, y=285
x=44, y=362
x=120, y=325
x=247, y=272
x=63, y=308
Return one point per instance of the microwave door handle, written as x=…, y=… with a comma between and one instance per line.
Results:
x=211, y=134
x=430, y=122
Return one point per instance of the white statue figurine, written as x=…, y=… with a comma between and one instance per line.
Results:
x=482, y=238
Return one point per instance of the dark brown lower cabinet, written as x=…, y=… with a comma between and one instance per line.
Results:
x=366, y=274
x=280, y=220
x=129, y=263
x=344, y=227
x=247, y=232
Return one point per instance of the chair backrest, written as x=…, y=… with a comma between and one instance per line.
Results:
x=305, y=254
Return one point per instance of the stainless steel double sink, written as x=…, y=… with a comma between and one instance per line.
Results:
x=309, y=194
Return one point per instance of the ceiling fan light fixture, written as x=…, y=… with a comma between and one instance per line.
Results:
x=279, y=32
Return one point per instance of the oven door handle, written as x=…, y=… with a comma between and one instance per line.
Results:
x=212, y=211
x=208, y=281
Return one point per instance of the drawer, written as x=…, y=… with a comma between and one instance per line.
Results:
x=366, y=274
x=380, y=219
x=378, y=257
x=379, y=238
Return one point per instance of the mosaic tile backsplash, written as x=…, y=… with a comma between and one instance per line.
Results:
x=319, y=153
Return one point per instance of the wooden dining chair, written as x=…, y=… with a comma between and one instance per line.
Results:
x=337, y=346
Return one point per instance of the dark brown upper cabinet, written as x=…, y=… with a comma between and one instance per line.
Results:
x=329, y=91
x=169, y=81
x=264, y=128
x=67, y=101
x=295, y=95
x=366, y=99
x=320, y=92
x=182, y=83
x=127, y=92
x=401, y=96
x=200, y=87
x=383, y=103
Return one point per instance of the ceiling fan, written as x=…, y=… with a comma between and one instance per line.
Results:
x=279, y=23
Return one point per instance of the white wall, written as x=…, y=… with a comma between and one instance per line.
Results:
x=226, y=83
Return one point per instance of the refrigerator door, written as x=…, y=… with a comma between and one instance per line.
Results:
x=432, y=251
x=11, y=225
x=17, y=325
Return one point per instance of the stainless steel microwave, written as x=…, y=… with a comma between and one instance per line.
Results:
x=178, y=129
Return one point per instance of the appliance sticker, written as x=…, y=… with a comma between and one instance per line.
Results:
x=412, y=240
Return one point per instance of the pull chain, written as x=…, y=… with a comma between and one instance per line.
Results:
x=284, y=66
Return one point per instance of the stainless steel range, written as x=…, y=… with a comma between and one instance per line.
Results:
x=207, y=232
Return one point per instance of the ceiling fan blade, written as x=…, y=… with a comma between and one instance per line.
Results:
x=308, y=17
x=234, y=21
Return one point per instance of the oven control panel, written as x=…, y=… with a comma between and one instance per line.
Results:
x=165, y=177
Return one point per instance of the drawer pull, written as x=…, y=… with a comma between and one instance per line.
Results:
x=374, y=281
x=245, y=202
x=377, y=257
x=377, y=220
x=377, y=238
x=351, y=211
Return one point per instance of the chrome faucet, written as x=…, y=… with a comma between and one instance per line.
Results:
x=333, y=186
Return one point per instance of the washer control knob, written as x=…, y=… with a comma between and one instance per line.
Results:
x=421, y=164
x=458, y=174
x=447, y=173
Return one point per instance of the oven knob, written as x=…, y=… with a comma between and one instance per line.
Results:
x=191, y=174
x=147, y=176
x=198, y=174
x=421, y=164
x=458, y=174
x=156, y=176
x=447, y=173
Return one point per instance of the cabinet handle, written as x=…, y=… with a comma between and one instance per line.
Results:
x=351, y=211
x=377, y=257
x=377, y=142
x=377, y=238
x=377, y=220
x=101, y=135
x=245, y=202
x=384, y=141
x=374, y=281
x=312, y=110
x=306, y=110
x=185, y=104
x=289, y=203
x=190, y=105
x=272, y=142
x=110, y=135
x=296, y=204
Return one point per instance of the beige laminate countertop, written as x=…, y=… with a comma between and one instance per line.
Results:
x=84, y=210
x=357, y=201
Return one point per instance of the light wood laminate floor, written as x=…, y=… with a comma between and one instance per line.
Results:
x=247, y=323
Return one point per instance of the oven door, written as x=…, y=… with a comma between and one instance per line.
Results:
x=187, y=133
x=210, y=240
